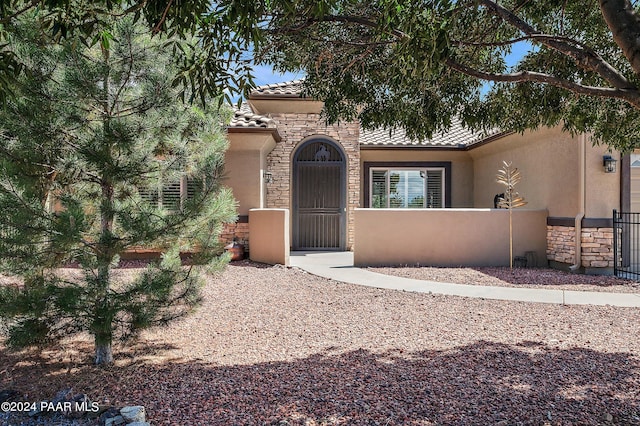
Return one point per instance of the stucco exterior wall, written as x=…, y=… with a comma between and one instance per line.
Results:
x=461, y=169
x=602, y=189
x=635, y=188
x=297, y=128
x=447, y=237
x=242, y=175
x=245, y=162
x=548, y=161
x=550, y=165
x=269, y=230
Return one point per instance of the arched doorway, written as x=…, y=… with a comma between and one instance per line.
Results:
x=319, y=196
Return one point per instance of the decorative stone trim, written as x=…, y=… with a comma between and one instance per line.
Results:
x=238, y=231
x=597, y=246
x=561, y=246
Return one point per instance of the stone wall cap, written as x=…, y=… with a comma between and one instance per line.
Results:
x=268, y=210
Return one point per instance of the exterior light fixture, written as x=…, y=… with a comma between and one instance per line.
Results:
x=268, y=177
x=609, y=164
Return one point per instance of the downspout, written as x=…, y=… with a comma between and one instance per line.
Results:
x=582, y=203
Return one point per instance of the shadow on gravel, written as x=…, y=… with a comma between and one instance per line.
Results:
x=480, y=384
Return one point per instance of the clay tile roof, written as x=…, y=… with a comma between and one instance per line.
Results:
x=288, y=89
x=455, y=137
x=244, y=117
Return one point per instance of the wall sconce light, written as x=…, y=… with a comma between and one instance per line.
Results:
x=268, y=177
x=609, y=164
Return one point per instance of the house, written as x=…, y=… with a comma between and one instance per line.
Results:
x=303, y=184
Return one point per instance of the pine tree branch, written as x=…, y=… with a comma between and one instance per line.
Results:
x=19, y=12
x=127, y=78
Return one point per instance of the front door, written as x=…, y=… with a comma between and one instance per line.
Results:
x=319, y=197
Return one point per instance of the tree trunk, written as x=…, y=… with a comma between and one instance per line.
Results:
x=104, y=311
x=104, y=355
x=625, y=28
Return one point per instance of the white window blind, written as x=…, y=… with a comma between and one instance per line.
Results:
x=435, y=185
x=407, y=188
x=171, y=195
x=379, y=185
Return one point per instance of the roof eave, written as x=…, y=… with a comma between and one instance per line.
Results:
x=270, y=96
x=418, y=147
x=274, y=132
x=489, y=139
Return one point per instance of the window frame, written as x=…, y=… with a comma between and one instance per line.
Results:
x=445, y=166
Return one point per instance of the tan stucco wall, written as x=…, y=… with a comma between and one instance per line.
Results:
x=461, y=169
x=269, y=235
x=635, y=189
x=447, y=237
x=242, y=175
x=245, y=163
x=602, y=189
x=549, y=162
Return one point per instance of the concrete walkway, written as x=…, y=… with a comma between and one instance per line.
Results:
x=338, y=266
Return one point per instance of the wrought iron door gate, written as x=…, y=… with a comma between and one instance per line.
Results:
x=319, y=197
x=626, y=245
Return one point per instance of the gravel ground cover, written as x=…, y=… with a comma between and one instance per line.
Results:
x=278, y=346
x=517, y=277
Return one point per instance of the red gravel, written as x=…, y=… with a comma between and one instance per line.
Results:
x=277, y=346
x=517, y=277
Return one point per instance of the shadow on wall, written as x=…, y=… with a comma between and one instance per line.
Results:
x=480, y=384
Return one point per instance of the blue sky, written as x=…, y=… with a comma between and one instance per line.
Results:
x=517, y=52
x=264, y=74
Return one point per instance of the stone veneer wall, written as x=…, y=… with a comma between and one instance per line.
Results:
x=561, y=244
x=597, y=246
x=237, y=230
x=294, y=128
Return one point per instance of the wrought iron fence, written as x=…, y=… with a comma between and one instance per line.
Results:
x=626, y=245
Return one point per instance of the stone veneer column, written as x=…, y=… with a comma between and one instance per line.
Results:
x=294, y=128
x=561, y=245
x=597, y=247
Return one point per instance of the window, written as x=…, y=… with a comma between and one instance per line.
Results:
x=415, y=187
x=171, y=195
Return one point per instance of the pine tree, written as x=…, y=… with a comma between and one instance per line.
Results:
x=91, y=147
